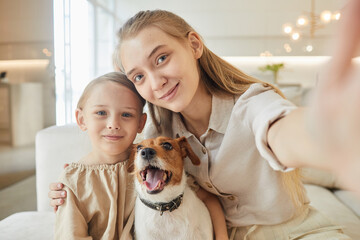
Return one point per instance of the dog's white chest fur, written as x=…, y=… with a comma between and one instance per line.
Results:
x=191, y=220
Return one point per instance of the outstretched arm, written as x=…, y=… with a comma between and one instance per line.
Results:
x=327, y=135
x=216, y=213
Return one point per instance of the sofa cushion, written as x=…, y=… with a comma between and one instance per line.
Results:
x=326, y=202
x=28, y=225
x=54, y=147
x=350, y=200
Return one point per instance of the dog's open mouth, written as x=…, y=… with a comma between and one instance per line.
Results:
x=155, y=179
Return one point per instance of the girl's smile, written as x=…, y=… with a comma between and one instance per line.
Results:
x=170, y=94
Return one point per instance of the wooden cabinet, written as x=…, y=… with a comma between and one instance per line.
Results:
x=21, y=113
x=5, y=115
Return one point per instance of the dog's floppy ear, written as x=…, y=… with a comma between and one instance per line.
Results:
x=132, y=150
x=186, y=150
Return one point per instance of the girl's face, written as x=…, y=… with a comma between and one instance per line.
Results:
x=163, y=69
x=112, y=117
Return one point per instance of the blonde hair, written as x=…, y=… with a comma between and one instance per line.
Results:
x=115, y=77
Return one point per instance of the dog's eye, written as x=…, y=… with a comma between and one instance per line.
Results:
x=138, y=147
x=167, y=146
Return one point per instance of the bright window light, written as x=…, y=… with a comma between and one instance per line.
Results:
x=84, y=38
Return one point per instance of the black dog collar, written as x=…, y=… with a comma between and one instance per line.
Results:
x=163, y=207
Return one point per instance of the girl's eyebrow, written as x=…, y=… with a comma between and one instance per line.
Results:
x=100, y=105
x=152, y=53
x=130, y=108
x=154, y=50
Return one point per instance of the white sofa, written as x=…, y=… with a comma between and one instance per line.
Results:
x=55, y=146
x=58, y=145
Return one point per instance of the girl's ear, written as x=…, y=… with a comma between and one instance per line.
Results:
x=80, y=119
x=196, y=44
x=142, y=122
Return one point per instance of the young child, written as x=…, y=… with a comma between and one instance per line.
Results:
x=100, y=195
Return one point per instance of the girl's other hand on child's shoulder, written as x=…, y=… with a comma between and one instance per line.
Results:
x=56, y=194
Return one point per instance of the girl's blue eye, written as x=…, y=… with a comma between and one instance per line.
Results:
x=161, y=59
x=137, y=78
x=101, y=113
x=127, y=115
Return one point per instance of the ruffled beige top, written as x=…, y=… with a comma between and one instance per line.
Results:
x=99, y=204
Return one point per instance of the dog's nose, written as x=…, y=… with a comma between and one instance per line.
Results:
x=148, y=153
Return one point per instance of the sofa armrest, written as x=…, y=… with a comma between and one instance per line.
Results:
x=54, y=147
x=328, y=204
x=28, y=225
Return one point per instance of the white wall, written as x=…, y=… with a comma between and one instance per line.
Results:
x=300, y=70
x=242, y=27
x=26, y=28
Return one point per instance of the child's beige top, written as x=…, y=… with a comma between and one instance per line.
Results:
x=100, y=202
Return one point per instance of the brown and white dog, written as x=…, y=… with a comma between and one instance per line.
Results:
x=166, y=207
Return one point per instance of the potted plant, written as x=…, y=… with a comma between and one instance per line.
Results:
x=274, y=68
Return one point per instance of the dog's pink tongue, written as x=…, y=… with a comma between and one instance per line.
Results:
x=153, y=177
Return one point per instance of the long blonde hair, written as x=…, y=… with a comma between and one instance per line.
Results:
x=219, y=77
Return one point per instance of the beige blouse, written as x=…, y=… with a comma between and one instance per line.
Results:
x=236, y=162
x=99, y=204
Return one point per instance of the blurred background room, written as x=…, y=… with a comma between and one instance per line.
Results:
x=50, y=50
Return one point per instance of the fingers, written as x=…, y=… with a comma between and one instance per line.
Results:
x=348, y=40
x=349, y=31
x=55, y=203
x=56, y=186
x=57, y=194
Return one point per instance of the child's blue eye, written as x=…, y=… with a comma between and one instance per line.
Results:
x=161, y=59
x=127, y=115
x=101, y=113
x=137, y=78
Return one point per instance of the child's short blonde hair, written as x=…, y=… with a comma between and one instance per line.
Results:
x=116, y=77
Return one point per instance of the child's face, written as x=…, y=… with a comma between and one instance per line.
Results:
x=112, y=116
